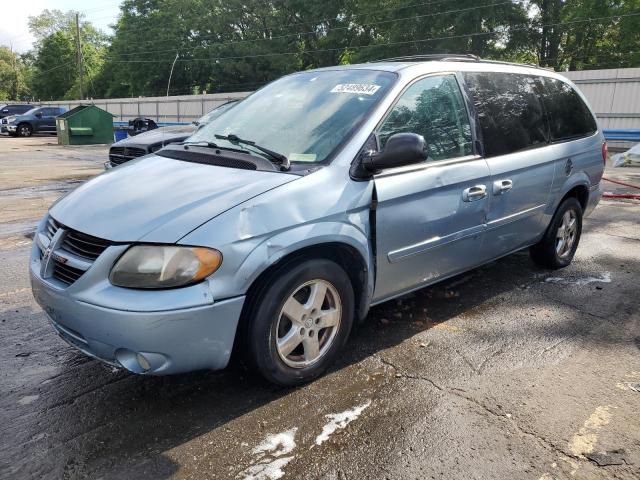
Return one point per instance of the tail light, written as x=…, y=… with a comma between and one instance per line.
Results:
x=604, y=153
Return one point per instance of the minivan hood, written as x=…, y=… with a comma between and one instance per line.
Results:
x=158, y=199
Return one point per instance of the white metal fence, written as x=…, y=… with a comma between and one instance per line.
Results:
x=179, y=109
x=614, y=94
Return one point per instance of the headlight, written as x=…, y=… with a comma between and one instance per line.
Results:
x=156, y=266
x=11, y=119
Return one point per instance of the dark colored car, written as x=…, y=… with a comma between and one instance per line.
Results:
x=17, y=109
x=153, y=140
x=36, y=120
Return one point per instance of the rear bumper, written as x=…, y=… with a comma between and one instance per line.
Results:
x=169, y=341
x=595, y=194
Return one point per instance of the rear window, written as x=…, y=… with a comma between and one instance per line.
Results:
x=19, y=108
x=509, y=110
x=569, y=117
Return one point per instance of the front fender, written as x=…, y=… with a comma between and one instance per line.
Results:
x=258, y=257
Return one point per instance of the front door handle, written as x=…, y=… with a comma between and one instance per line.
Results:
x=502, y=186
x=474, y=193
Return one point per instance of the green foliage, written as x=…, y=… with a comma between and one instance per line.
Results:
x=49, y=22
x=12, y=76
x=54, y=72
x=236, y=45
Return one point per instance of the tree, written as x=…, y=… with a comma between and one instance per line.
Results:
x=579, y=34
x=234, y=45
x=54, y=75
x=49, y=22
x=12, y=76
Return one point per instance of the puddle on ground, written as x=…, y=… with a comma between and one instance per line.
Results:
x=42, y=189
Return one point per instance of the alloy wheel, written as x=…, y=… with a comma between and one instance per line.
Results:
x=566, y=234
x=308, y=323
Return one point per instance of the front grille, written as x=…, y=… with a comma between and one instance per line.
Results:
x=119, y=155
x=73, y=242
x=84, y=245
x=51, y=228
x=66, y=273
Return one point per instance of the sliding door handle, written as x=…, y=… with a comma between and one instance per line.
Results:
x=502, y=186
x=477, y=192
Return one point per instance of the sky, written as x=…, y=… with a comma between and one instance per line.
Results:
x=14, y=28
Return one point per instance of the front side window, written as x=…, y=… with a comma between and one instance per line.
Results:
x=569, y=117
x=509, y=111
x=305, y=116
x=434, y=108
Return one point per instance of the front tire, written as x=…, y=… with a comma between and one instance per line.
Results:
x=300, y=322
x=25, y=130
x=560, y=241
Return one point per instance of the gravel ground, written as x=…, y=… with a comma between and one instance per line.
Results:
x=506, y=372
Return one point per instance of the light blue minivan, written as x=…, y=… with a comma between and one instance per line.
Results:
x=273, y=229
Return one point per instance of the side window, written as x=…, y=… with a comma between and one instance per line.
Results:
x=569, y=117
x=509, y=110
x=434, y=108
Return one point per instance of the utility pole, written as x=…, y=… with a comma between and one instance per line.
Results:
x=15, y=73
x=79, y=55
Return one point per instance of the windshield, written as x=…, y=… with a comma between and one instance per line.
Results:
x=305, y=116
x=32, y=111
x=215, y=113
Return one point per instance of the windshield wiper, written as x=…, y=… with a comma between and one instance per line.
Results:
x=206, y=144
x=282, y=159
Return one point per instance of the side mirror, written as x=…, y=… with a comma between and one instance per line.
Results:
x=401, y=149
x=39, y=115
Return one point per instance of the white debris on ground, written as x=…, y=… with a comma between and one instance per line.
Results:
x=28, y=399
x=580, y=281
x=272, y=455
x=339, y=421
x=627, y=159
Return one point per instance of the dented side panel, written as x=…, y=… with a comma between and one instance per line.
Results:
x=256, y=234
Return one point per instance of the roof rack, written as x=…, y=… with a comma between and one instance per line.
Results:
x=452, y=57
x=455, y=57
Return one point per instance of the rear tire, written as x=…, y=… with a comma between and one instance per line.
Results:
x=25, y=130
x=560, y=241
x=300, y=322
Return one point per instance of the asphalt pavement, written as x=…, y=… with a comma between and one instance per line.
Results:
x=506, y=372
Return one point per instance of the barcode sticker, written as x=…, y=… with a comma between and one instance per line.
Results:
x=366, y=89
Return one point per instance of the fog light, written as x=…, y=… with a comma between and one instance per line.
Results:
x=144, y=363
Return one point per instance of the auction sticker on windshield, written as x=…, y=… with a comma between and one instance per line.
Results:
x=367, y=89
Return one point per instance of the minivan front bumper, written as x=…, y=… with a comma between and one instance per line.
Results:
x=151, y=342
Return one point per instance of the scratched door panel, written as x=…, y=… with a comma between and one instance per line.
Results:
x=425, y=230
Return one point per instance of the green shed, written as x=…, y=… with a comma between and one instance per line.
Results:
x=84, y=125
